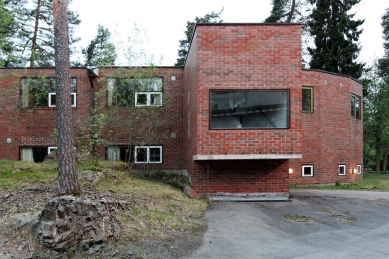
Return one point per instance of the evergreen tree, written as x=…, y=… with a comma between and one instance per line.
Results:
x=282, y=11
x=34, y=36
x=100, y=51
x=383, y=63
x=336, y=37
x=190, y=25
x=67, y=174
x=7, y=25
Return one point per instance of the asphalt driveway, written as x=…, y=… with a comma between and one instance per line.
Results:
x=313, y=224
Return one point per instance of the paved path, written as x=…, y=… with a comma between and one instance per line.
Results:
x=340, y=224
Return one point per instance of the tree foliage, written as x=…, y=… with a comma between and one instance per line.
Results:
x=190, y=25
x=7, y=24
x=336, y=37
x=286, y=11
x=100, y=51
x=33, y=39
x=376, y=106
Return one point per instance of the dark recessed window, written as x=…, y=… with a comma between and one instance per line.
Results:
x=341, y=169
x=307, y=99
x=355, y=106
x=249, y=109
x=307, y=170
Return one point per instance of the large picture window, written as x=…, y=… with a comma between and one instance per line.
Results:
x=135, y=91
x=355, y=106
x=249, y=109
x=41, y=92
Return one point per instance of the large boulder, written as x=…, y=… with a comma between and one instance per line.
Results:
x=68, y=221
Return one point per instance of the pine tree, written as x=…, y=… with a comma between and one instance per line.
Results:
x=282, y=11
x=67, y=174
x=34, y=37
x=190, y=25
x=100, y=51
x=336, y=37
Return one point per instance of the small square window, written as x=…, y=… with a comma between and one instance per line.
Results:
x=341, y=169
x=359, y=169
x=307, y=170
x=141, y=154
x=141, y=99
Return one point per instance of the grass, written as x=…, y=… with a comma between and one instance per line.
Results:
x=370, y=182
x=22, y=174
x=153, y=206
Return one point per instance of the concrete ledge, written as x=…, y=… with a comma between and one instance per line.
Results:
x=247, y=157
x=263, y=196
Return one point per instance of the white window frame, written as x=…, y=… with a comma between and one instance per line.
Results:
x=73, y=96
x=306, y=166
x=344, y=169
x=49, y=149
x=359, y=169
x=148, y=99
x=148, y=155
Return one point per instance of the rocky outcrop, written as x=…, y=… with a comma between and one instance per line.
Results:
x=68, y=221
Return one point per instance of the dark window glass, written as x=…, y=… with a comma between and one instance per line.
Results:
x=141, y=154
x=307, y=99
x=155, y=154
x=249, y=109
x=355, y=106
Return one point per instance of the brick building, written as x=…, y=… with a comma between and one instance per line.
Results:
x=241, y=117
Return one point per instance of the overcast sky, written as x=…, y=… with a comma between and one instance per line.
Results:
x=163, y=22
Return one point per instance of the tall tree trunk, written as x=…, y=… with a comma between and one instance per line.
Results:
x=67, y=175
x=377, y=158
x=292, y=8
x=34, y=46
x=385, y=164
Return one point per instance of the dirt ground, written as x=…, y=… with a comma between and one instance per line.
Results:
x=19, y=207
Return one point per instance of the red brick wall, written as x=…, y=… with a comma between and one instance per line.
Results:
x=34, y=127
x=245, y=57
x=330, y=135
x=170, y=113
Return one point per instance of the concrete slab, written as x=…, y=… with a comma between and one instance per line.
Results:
x=248, y=198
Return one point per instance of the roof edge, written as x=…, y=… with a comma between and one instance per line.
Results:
x=332, y=73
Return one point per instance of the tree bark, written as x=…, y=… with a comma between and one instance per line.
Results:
x=67, y=175
x=33, y=48
x=385, y=164
x=377, y=159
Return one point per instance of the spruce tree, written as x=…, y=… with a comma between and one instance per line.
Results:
x=33, y=39
x=336, y=37
x=100, y=51
x=190, y=25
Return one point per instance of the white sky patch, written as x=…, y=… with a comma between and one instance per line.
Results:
x=164, y=22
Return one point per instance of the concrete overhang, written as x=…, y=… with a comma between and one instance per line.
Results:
x=247, y=157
